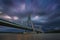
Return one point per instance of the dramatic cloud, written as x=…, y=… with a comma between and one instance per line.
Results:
x=43, y=12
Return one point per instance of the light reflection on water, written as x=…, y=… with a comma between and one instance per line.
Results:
x=47, y=36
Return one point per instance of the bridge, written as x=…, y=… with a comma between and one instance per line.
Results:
x=14, y=25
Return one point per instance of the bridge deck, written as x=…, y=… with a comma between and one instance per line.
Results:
x=14, y=25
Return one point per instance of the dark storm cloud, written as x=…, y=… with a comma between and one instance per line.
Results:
x=48, y=8
x=36, y=6
x=7, y=2
x=53, y=22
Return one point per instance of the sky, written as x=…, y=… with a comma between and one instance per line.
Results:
x=44, y=13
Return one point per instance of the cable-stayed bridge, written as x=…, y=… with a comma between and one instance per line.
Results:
x=14, y=25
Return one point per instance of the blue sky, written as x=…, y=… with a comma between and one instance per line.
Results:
x=45, y=13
